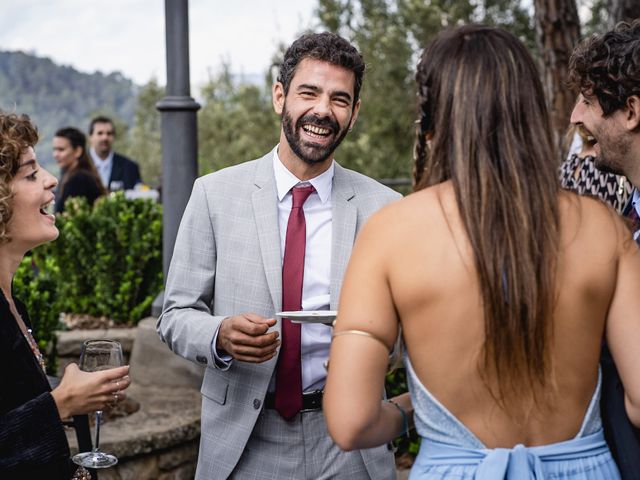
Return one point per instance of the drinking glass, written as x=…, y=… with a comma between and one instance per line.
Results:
x=98, y=355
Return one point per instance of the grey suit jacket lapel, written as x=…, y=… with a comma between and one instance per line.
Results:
x=265, y=210
x=344, y=222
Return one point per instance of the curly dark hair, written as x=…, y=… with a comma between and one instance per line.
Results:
x=608, y=66
x=327, y=47
x=17, y=133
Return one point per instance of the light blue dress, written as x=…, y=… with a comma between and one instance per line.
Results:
x=449, y=450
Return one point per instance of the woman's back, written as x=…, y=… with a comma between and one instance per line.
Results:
x=436, y=293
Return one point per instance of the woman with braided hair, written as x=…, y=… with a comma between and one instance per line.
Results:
x=503, y=284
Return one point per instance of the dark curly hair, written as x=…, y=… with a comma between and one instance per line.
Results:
x=17, y=133
x=327, y=47
x=608, y=66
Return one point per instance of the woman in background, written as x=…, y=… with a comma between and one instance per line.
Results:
x=79, y=177
x=504, y=286
x=33, y=443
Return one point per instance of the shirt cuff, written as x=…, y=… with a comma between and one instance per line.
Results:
x=223, y=362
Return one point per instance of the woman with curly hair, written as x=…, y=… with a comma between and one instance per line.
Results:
x=503, y=284
x=79, y=177
x=33, y=443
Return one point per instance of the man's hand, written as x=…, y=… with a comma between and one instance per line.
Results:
x=245, y=338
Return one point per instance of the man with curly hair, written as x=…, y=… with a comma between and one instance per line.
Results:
x=606, y=70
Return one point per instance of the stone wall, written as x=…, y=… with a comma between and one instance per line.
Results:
x=160, y=440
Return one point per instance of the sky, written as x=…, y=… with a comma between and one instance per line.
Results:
x=129, y=35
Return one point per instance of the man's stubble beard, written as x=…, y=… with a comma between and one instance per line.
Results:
x=612, y=161
x=296, y=144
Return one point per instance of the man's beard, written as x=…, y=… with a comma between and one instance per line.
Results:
x=612, y=161
x=604, y=167
x=308, y=152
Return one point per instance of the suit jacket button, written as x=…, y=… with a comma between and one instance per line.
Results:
x=201, y=359
x=256, y=403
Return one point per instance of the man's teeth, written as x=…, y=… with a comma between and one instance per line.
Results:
x=316, y=130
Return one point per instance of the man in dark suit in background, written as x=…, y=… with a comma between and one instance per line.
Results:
x=606, y=70
x=116, y=171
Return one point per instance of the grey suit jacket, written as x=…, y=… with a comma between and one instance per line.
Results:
x=227, y=261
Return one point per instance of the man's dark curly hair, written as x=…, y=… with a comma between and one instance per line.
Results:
x=17, y=134
x=608, y=66
x=327, y=47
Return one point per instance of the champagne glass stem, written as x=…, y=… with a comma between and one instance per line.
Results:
x=98, y=421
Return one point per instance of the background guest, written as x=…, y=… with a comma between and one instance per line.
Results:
x=116, y=171
x=79, y=177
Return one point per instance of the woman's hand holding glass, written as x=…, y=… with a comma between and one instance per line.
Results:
x=82, y=392
x=96, y=384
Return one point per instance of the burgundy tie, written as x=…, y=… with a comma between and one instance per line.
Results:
x=289, y=373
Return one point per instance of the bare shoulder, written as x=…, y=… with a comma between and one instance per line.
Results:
x=593, y=221
x=420, y=213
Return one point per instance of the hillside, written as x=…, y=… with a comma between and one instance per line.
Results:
x=57, y=96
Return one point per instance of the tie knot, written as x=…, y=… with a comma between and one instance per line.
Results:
x=300, y=195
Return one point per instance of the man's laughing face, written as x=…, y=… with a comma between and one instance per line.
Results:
x=612, y=145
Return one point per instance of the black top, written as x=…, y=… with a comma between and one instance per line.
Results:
x=32, y=439
x=79, y=184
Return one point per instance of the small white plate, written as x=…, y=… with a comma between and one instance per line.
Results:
x=310, y=316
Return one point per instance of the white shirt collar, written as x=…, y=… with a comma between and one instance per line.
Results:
x=99, y=161
x=636, y=200
x=285, y=180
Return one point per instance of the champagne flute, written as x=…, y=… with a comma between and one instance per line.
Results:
x=97, y=355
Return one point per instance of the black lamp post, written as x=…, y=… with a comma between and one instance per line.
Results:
x=179, y=131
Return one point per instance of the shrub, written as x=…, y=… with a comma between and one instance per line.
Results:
x=110, y=257
x=107, y=262
x=37, y=288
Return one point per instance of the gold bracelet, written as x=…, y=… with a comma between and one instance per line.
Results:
x=362, y=333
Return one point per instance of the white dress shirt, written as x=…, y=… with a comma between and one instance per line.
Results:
x=103, y=166
x=315, y=338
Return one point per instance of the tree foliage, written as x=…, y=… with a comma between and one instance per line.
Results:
x=59, y=96
x=144, y=137
x=109, y=257
x=391, y=35
x=236, y=123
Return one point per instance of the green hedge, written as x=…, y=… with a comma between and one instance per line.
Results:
x=110, y=257
x=37, y=288
x=107, y=262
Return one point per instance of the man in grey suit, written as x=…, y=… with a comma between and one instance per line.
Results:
x=264, y=236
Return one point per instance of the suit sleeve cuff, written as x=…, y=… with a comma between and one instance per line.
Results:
x=221, y=361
